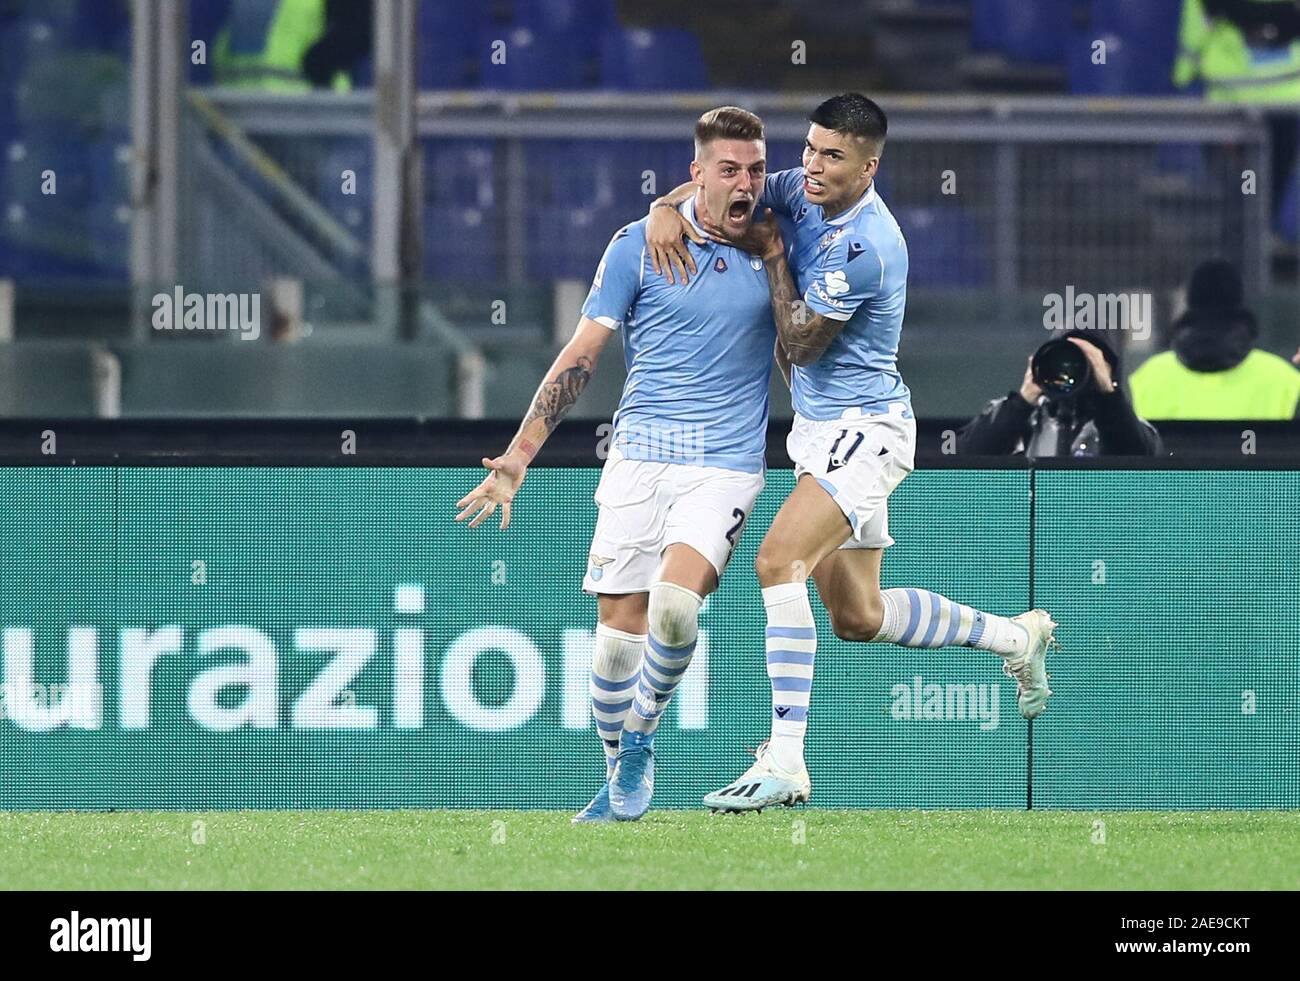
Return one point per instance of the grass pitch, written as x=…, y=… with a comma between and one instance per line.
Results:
x=780, y=848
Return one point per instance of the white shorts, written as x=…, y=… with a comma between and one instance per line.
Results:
x=645, y=507
x=858, y=460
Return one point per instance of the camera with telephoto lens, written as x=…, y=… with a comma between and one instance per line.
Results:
x=1061, y=370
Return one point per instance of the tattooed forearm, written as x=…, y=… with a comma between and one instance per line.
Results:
x=556, y=397
x=803, y=334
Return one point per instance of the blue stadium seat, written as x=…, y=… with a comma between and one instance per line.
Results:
x=1288, y=221
x=532, y=61
x=1141, y=44
x=110, y=168
x=108, y=230
x=574, y=173
x=207, y=18
x=40, y=149
x=1187, y=159
x=645, y=60
x=1023, y=30
x=448, y=37
x=462, y=243
x=667, y=161
x=945, y=246
x=352, y=211
x=459, y=172
x=567, y=242
x=581, y=21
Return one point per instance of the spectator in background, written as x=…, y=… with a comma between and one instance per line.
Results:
x=1213, y=370
x=1094, y=419
x=1247, y=51
x=290, y=45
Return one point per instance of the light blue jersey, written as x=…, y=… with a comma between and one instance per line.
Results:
x=699, y=355
x=851, y=268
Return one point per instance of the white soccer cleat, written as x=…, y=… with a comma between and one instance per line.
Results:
x=763, y=785
x=1030, y=668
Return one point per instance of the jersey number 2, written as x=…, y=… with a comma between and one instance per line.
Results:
x=739, y=515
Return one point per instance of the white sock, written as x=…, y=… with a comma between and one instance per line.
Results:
x=920, y=618
x=791, y=648
x=614, y=667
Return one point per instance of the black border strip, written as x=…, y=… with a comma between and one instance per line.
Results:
x=281, y=442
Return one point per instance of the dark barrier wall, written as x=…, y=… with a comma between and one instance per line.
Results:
x=220, y=637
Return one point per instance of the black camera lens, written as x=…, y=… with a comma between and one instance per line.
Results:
x=1061, y=369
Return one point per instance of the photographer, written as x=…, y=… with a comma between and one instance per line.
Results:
x=1069, y=404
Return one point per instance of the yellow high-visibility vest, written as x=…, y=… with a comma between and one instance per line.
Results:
x=1263, y=386
x=1216, y=52
x=294, y=27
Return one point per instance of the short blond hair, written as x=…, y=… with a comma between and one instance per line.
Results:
x=726, y=123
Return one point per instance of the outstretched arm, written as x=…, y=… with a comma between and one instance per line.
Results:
x=559, y=390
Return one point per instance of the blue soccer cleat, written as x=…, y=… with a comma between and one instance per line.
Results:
x=633, y=782
x=597, y=810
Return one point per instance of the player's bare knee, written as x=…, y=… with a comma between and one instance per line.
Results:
x=674, y=614
x=774, y=568
x=859, y=623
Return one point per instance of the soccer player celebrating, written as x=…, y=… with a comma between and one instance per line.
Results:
x=686, y=457
x=852, y=441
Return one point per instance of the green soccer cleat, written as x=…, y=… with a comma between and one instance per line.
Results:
x=1030, y=668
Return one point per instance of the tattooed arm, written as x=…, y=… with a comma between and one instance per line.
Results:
x=564, y=382
x=802, y=335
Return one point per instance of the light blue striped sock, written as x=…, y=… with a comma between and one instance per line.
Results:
x=920, y=618
x=615, y=665
x=662, y=668
x=791, y=650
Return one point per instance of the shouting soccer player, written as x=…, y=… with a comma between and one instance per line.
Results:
x=686, y=458
x=839, y=314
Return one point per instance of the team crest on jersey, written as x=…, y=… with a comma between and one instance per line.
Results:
x=720, y=265
x=856, y=248
x=598, y=563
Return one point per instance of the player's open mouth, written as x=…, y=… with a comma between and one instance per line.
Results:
x=812, y=186
x=738, y=213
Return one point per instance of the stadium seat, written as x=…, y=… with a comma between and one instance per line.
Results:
x=1023, y=30
x=945, y=245
x=459, y=172
x=644, y=60
x=532, y=60
x=108, y=232
x=581, y=21
x=1288, y=221
x=1141, y=44
x=352, y=211
x=448, y=36
x=462, y=243
x=207, y=18
x=567, y=242
x=573, y=173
